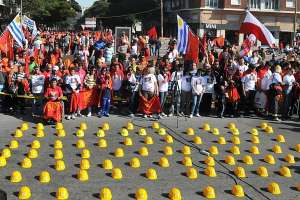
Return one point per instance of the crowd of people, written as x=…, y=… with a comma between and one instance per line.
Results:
x=66, y=74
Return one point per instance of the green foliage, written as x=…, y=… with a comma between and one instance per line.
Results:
x=51, y=12
x=108, y=8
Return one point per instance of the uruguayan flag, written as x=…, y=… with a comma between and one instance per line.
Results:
x=183, y=35
x=15, y=28
x=31, y=25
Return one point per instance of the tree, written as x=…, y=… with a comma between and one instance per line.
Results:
x=108, y=8
x=50, y=12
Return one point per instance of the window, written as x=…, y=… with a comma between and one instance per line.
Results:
x=177, y=4
x=212, y=3
x=235, y=2
x=290, y=3
x=264, y=4
x=255, y=4
x=271, y=4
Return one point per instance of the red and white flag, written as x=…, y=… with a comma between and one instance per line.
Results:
x=252, y=25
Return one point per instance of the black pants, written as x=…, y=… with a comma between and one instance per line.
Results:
x=205, y=105
x=68, y=104
x=134, y=102
x=231, y=108
x=250, y=96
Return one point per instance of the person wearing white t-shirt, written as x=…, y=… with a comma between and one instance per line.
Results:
x=117, y=79
x=37, y=81
x=73, y=84
x=149, y=86
x=176, y=79
x=163, y=86
x=197, y=83
x=241, y=66
x=275, y=90
x=172, y=55
x=249, y=81
x=288, y=82
x=186, y=93
x=209, y=82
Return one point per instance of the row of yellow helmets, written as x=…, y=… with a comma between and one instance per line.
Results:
x=142, y=194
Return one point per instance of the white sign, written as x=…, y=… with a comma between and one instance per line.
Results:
x=90, y=22
x=210, y=26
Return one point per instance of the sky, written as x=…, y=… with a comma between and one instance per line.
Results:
x=86, y=3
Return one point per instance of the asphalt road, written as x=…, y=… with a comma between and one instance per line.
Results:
x=174, y=176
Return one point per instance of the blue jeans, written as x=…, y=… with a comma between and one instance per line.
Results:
x=196, y=103
x=1, y=87
x=105, y=105
x=163, y=98
x=37, y=104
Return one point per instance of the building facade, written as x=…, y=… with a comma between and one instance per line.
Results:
x=224, y=17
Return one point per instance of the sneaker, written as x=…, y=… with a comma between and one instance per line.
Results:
x=150, y=116
x=145, y=116
x=170, y=115
x=68, y=117
x=131, y=115
x=197, y=115
x=181, y=114
x=73, y=116
x=106, y=114
x=190, y=116
x=89, y=114
x=79, y=114
x=163, y=114
x=277, y=119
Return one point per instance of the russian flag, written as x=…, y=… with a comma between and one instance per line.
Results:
x=252, y=25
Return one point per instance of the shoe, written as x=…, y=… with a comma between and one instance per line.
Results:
x=277, y=119
x=181, y=114
x=197, y=115
x=89, y=114
x=79, y=114
x=190, y=116
x=145, y=116
x=231, y=116
x=163, y=114
x=131, y=115
x=106, y=114
x=73, y=116
x=150, y=116
x=170, y=115
x=68, y=117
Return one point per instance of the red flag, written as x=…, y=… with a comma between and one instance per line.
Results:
x=152, y=33
x=219, y=41
x=6, y=44
x=192, y=51
x=203, y=44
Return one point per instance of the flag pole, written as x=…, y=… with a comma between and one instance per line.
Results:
x=21, y=9
x=295, y=22
x=162, y=18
